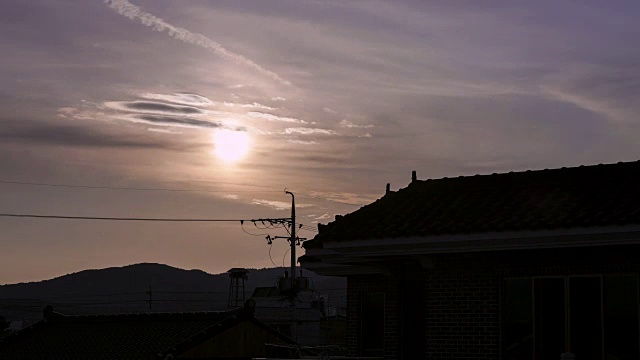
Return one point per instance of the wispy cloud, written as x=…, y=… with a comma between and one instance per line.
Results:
x=133, y=12
x=607, y=90
x=302, y=142
x=278, y=205
x=231, y=196
x=178, y=121
x=75, y=136
x=271, y=117
x=344, y=197
x=278, y=98
x=163, y=131
x=310, y=131
x=180, y=98
x=254, y=105
x=155, y=107
x=348, y=124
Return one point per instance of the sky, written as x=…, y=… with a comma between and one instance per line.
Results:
x=241, y=100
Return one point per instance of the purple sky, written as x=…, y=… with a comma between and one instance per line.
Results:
x=337, y=97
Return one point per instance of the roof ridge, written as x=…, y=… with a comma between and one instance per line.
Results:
x=565, y=197
x=531, y=172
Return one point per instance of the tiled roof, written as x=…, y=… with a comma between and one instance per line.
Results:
x=585, y=196
x=126, y=336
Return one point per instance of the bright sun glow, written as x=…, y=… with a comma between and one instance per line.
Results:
x=231, y=146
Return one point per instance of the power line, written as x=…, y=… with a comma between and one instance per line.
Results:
x=136, y=188
x=128, y=218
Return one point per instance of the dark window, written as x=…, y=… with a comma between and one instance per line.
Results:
x=621, y=317
x=517, y=334
x=412, y=321
x=549, y=322
x=372, y=324
x=585, y=317
x=595, y=317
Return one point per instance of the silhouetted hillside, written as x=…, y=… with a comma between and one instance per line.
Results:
x=126, y=289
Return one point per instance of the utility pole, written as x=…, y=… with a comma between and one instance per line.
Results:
x=150, y=301
x=294, y=286
x=293, y=237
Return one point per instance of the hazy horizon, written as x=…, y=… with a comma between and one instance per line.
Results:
x=242, y=99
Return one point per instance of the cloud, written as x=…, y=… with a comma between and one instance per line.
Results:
x=163, y=131
x=348, y=124
x=168, y=113
x=180, y=98
x=133, y=12
x=67, y=112
x=271, y=117
x=178, y=121
x=323, y=217
x=608, y=90
x=231, y=196
x=367, y=135
x=310, y=131
x=148, y=106
x=73, y=136
x=344, y=197
x=302, y=142
x=329, y=110
x=278, y=98
x=253, y=105
x=278, y=205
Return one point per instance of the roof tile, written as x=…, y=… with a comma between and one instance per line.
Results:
x=584, y=196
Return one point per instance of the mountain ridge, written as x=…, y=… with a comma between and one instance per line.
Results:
x=129, y=288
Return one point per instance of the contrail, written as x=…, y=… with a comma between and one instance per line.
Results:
x=133, y=12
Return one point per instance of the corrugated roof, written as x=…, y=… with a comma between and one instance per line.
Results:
x=584, y=196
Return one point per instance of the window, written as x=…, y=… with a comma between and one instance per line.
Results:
x=621, y=317
x=518, y=320
x=372, y=324
x=595, y=317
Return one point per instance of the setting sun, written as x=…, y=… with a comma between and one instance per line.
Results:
x=230, y=145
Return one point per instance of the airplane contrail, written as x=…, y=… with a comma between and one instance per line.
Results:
x=134, y=12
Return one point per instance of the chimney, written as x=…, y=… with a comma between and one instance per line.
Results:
x=388, y=189
x=414, y=176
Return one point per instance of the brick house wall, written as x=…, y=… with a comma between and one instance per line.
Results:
x=462, y=314
x=356, y=286
x=462, y=296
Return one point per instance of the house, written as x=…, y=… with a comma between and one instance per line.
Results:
x=204, y=335
x=274, y=308
x=519, y=265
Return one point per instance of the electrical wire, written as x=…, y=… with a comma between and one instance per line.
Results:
x=136, y=188
x=270, y=258
x=243, y=229
x=284, y=256
x=121, y=218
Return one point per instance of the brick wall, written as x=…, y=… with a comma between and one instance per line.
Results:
x=462, y=314
x=462, y=296
x=356, y=285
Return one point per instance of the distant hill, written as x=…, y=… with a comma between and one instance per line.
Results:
x=126, y=289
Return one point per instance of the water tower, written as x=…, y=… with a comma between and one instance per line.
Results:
x=237, y=277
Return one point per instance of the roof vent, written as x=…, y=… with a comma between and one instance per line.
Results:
x=388, y=188
x=414, y=176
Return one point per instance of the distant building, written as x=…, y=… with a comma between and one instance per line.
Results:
x=210, y=335
x=512, y=266
x=273, y=308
